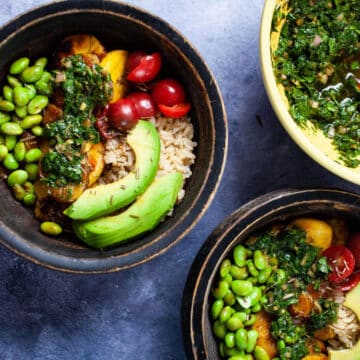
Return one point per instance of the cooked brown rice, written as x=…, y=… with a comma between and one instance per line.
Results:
x=176, y=137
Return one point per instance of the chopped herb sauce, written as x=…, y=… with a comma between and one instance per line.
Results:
x=318, y=63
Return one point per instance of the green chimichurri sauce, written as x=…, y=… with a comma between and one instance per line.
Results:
x=84, y=88
x=318, y=63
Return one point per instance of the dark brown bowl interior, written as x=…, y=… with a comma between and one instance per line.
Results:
x=268, y=209
x=117, y=25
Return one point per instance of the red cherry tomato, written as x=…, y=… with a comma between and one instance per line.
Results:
x=144, y=104
x=147, y=69
x=134, y=59
x=354, y=247
x=350, y=282
x=175, y=111
x=102, y=124
x=168, y=92
x=122, y=114
x=341, y=261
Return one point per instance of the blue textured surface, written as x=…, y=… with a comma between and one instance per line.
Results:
x=135, y=314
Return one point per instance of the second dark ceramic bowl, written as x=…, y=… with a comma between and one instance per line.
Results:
x=117, y=25
x=268, y=209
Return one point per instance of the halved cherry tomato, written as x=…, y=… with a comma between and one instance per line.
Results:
x=144, y=104
x=350, y=282
x=168, y=92
x=122, y=114
x=175, y=111
x=134, y=59
x=354, y=247
x=146, y=70
x=341, y=261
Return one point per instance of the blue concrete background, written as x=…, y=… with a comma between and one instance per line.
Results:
x=135, y=314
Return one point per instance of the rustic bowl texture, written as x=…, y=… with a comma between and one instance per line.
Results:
x=117, y=25
x=268, y=209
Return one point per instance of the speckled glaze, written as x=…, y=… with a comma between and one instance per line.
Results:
x=118, y=25
x=253, y=216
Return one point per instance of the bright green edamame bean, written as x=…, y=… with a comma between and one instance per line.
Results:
x=260, y=353
x=10, y=162
x=17, y=177
x=19, y=151
x=241, y=339
x=234, y=352
x=234, y=323
x=260, y=260
x=228, y=278
x=32, y=74
x=256, y=308
x=3, y=151
x=225, y=268
x=229, y=298
x=8, y=93
x=10, y=142
x=226, y=313
x=13, y=81
x=229, y=339
x=29, y=199
x=37, y=130
x=50, y=228
x=42, y=62
x=32, y=170
x=4, y=117
x=11, y=128
x=241, y=287
x=216, y=308
x=33, y=155
x=238, y=273
x=37, y=104
x=31, y=90
x=255, y=296
x=252, y=269
x=264, y=275
x=44, y=88
x=30, y=121
x=239, y=254
x=251, y=320
x=21, y=96
x=237, y=357
x=219, y=329
x=220, y=291
x=221, y=349
x=18, y=192
x=251, y=340
x=281, y=344
x=45, y=78
x=6, y=105
x=21, y=111
x=19, y=65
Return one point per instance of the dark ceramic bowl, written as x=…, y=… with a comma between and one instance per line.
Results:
x=117, y=25
x=266, y=210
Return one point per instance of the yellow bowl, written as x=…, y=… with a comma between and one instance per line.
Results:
x=313, y=142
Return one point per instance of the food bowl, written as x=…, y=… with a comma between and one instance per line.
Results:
x=35, y=34
x=312, y=141
x=254, y=216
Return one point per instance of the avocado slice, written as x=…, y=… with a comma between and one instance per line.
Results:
x=143, y=215
x=353, y=303
x=104, y=199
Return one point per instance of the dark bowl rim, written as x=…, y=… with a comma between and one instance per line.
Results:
x=115, y=263
x=201, y=272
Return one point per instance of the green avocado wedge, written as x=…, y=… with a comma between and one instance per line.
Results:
x=105, y=199
x=142, y=216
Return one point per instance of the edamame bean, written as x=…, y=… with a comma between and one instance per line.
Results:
x=229, y=298
x=30, y=121
x=44, y=88
x=13, y=81
x=226, y=313
x=37, y=104
x=241, y=339
x=252, y=269
x=234, y=323
x=21, y=96
x=32, y=170
x=8, y=93
x=37, y=130
x=255, y=296
x=50, y=228
x=251, y=320
x=221, y=349
x=28, y=186
x=238, y=273
x=4, y=117
x=219, y=329
x=260, y=353
x=260, y=260
x=32, y=74
x=19, y=65
x=18, y=192
x=281, y=344
x=31, y=90
x=3, y=151
x=10, y=162
x=220, y=291
x=19, y=151
x=225, y=268
x=252, y=337
x=17, y=177
x=6, y=105
x=11, y=128
x=237, y=357
x=241, y=287
x=216, y=308
x=256, y=308
x=10, y=142
x=239, y=254
x=264, y=275
x=42, y=62
x=228, y=278
x=234, y=352
x=21, y=111
x=33, y=155
x=229, y=339
x=29, y=199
